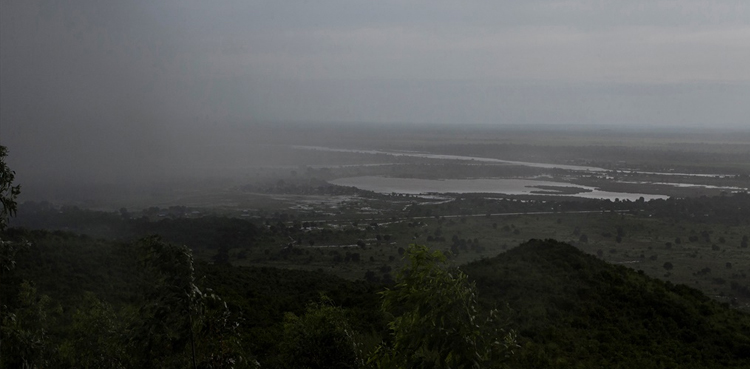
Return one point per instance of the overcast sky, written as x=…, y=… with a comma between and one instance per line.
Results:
x=130, y=73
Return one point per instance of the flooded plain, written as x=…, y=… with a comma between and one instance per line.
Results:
x=416, y=186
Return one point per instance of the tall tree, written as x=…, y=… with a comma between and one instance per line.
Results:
x=435, y=320
x=11, y=329
x=170, y=306
x=8, y=192
x=178, y=318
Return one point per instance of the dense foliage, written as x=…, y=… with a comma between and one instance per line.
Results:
x=574, y=310
x=8, y=192
x=435, y=320
x=94, y=303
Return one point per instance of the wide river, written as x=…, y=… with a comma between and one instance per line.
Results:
x=415, y=186
x=494, y=185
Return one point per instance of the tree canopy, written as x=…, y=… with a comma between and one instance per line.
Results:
x=8, y=192
x=436, y=322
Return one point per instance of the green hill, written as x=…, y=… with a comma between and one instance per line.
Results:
x=572, y=310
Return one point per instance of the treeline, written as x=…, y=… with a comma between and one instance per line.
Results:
x=202, y=231
x=71, y=301
x=210, y=236
x=74, y=301
x=222, y=238
x=732, y=209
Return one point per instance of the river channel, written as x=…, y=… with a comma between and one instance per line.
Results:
x=498, y=185
x=416, y=186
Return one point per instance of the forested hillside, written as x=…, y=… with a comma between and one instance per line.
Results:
x=82, y=302
x=574, y=310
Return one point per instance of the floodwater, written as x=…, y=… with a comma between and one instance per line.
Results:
x=415, y=186
x=688, y=185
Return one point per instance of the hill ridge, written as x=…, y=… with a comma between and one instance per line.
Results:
x=571, y=307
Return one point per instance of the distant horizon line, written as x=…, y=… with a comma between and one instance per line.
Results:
x=550, y=126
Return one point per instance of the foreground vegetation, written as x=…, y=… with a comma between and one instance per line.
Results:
x=148, y=305
x=81, y=302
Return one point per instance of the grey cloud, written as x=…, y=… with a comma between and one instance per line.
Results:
x=119, y=85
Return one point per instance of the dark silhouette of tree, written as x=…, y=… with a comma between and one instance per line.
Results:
x=8, y=192
x=171, y=302
x=22, y=329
